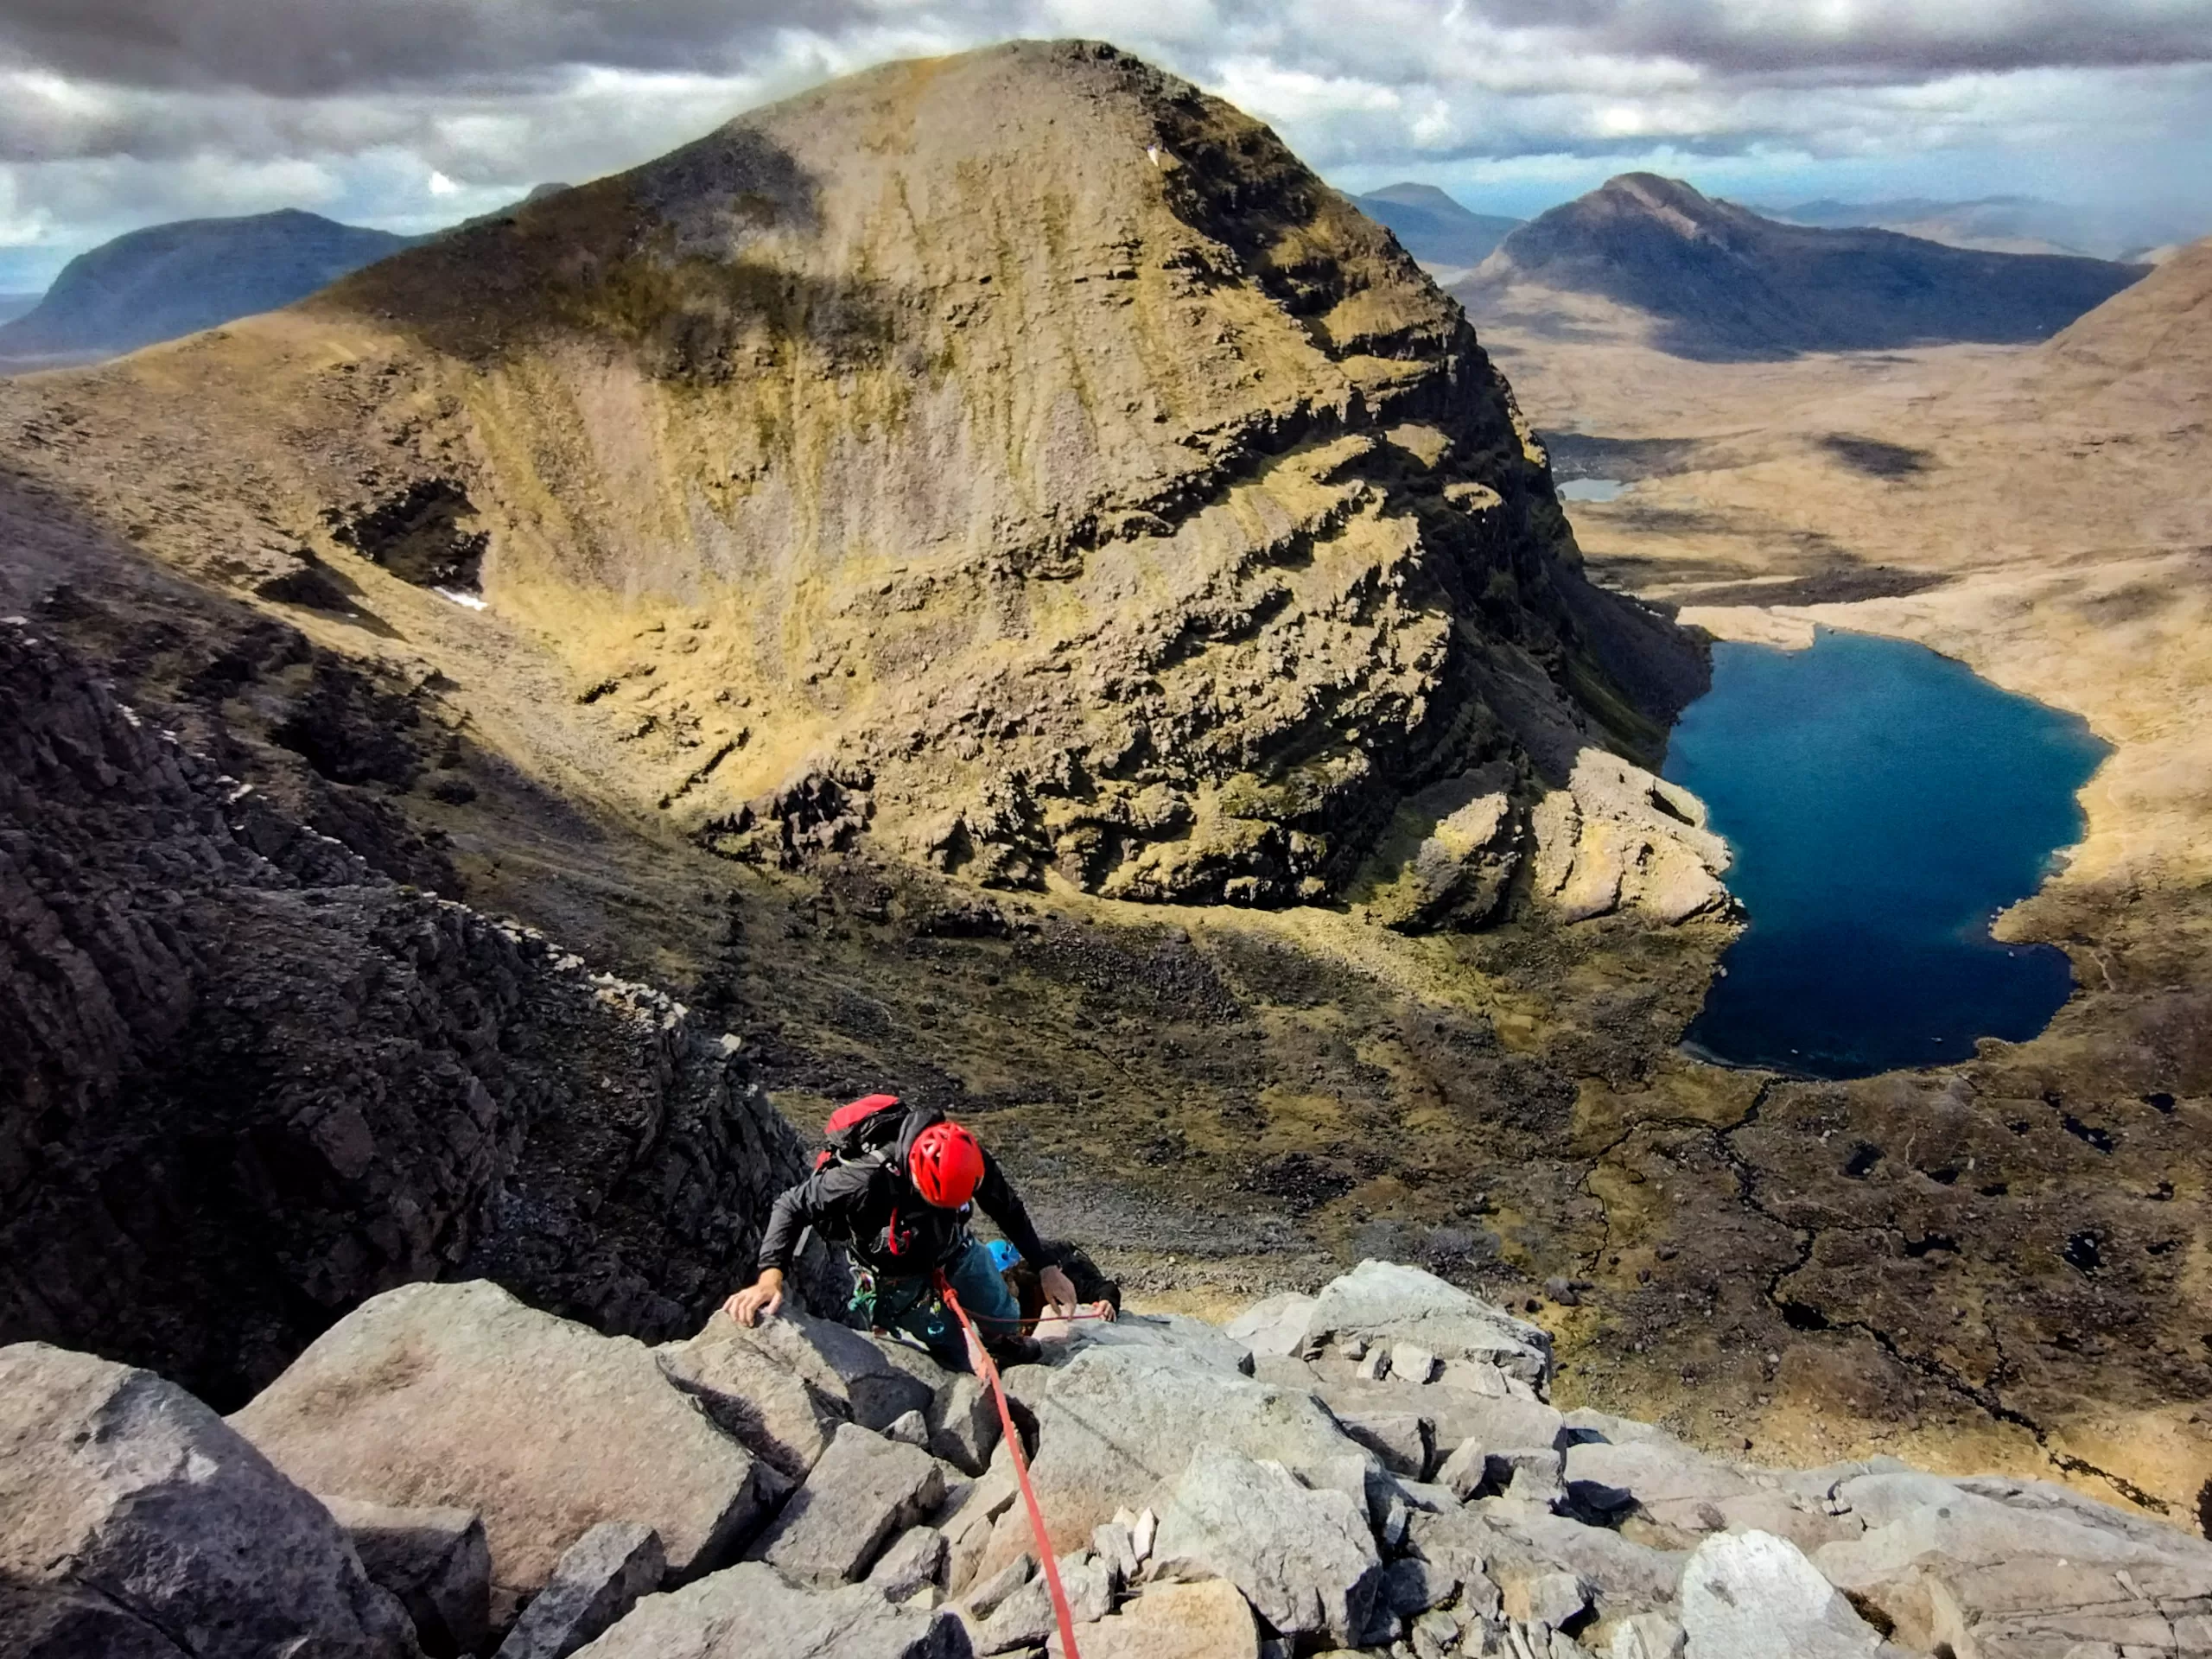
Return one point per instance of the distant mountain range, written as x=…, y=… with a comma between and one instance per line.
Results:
x=1433, y=227
x=2013, y=225
x=1710, y=279
x=14, y=305
x=175, y=279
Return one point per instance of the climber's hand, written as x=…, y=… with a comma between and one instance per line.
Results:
x=765, y=1296
x=1060, y=1291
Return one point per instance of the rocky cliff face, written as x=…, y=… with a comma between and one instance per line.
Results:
x=249, y=1081
x=1020, y=459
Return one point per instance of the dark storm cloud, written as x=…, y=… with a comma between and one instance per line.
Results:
x=305, y=47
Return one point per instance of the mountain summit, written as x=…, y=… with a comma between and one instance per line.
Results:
x=171, y=279
x=1719, y=280
x=1020, y=457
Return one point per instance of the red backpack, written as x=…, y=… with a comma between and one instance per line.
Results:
x=870, y=1124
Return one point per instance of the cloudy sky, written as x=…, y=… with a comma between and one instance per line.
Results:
x=412, y=113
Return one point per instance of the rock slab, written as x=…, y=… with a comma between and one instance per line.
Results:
x=1306, y=1559
x=598, y=1579
x=1753, y=1595
x=459, y=1394
x=435, y=1561
x=864, y=1490
x=752, y=1611
x=133, y=1521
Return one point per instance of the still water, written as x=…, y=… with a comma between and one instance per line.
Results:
x=1883, y=803
x=1590, y=489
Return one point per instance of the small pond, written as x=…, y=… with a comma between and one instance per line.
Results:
x=1883, y=803
x=1590, y=489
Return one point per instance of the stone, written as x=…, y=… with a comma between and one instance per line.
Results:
x=1412, y=1364
x=775, y=1412
x=1623, y=1575
x=134, y=1520
x=1411, y=1587
x=1145, y=1533
x=1552, y=1598
x=1120, y=1424
x=437, y=1561
x=1433, y=1635
x=964, y=1423
x=1674, y=1485
x=1404, y=1440
x=1646, y=1635
x=1374, y=1364
x=1284, y=1371
x=1207, y=1620
x=1530, y=1475
x=875, y=1387
x=751, y=1612
x=1997, y=1565
x=1752, y=1595
x=914, y=1561
x=1387, y=1302
x=909, y=1428
x=984, y=1599
x=458, y=1395
x=1024, y=1619
x=1176, y=1335
x=1117, y=1548
x=1305, y=1560
x=1272, y=1326
x=597, y=1580
x=860, y=1491
x=1464, y=1473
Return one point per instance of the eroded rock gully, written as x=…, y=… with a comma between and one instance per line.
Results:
x=1377, y=1468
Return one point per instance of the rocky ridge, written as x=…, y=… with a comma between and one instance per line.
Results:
x=251, y=1081
x=1374, y=1469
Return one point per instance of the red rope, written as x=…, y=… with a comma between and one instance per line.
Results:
x=989, y=1372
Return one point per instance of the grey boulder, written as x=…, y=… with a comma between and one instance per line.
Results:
x=1306, y=1559
x=774, y=1411
x=1404, y=1440
x=1274, y=1327
x=1386, y=1302
x=458, y=1394
x=913, y=1563
x=134, y=1522
x=862, y=1491
x=1751, y=1596
x=1120, y=1424
x=601, y=1577
x=752, y=1611
x=434, y=1560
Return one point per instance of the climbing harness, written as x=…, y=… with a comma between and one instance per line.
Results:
x=979, y=1359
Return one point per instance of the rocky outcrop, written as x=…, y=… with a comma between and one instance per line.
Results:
x=459, y=1395
x=248, y=1082
x=134, y=1522
x=1258, y=1526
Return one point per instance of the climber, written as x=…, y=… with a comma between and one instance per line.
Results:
x=895, y=1187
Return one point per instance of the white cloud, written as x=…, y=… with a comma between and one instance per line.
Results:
x=144, y=109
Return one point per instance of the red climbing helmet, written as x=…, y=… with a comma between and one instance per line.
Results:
x=946, y=1163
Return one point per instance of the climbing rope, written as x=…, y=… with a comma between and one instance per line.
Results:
x=981, y=1361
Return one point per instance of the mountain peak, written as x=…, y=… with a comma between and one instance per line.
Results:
x=1714, y=280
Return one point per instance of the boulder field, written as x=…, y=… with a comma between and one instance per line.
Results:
x=1374, y=1469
